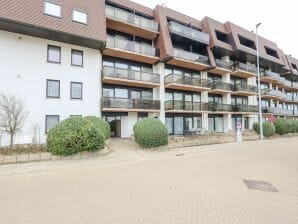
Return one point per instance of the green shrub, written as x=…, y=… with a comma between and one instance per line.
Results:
x=296, y=125
x=150, y=132
x=282, y=126
x=256, y=127
x=292, y=126
x=73, y=135
x=101, y=124
x=268, y=128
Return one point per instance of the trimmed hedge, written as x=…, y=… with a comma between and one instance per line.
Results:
x=101, y=124
x=150, y=132
x=73, y=135
x=282, y=126
x=285, y=126
x=268, y=128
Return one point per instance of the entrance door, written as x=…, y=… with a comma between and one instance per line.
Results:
x=115, y=124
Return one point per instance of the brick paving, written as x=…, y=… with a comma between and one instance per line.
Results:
x=205, y=185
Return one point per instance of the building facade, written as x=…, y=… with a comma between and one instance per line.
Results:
x=123, y=61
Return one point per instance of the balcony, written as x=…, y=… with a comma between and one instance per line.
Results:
x=244, y=70
x=127, y=22
x=127, y=77
x=274, y=94
x=244, y=109
x=188, y=33
x=271, y=77
x=245, y=90
x=190, y=60
x=277, y=111
x=222, y=67
x=122, y=48
x=173, y=81
x=127, y=105
x=219, y=108
x=220, y=87
x=177, y=106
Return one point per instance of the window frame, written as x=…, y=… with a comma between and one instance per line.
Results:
x=74, y=50
x=75, y=21
x=56, y=62
x=50, y=115
x=54, y=3
x=76, y=98
x=54, y=97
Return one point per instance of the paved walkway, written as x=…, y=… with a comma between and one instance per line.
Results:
x=190, y=185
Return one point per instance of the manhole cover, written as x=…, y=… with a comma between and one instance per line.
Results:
x=181, y=154
x=260, y=185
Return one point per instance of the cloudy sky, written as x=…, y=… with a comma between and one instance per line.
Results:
x=279, y=18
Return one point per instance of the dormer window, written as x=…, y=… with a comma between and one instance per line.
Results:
x=271, y=52
x=294, y=66
x=222, y=36
x=247, y=42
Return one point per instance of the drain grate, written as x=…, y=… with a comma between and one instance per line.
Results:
x=181, y=154
x=260, y=185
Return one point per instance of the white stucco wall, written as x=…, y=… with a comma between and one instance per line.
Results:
x=24, y=71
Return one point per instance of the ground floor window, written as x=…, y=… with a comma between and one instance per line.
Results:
x=216, y=123
x=180, y=124
x=51, y=121
x=142, y=115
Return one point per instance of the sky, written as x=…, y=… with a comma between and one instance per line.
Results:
x=279, y=18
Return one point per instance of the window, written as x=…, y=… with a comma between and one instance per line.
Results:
x=79, y=17
x=76, y=90
x=147, y=95
x=53, y=88
x=54, y=54
x=247, y=42
x=51, y=121
x=76, y=58
x=222, y=36
x=271, y=52
x=121, y=93
x=52, y=9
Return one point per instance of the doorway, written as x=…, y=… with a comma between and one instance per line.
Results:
x=115, y=124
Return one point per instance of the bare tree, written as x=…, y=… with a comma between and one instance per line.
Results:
x=12, y=115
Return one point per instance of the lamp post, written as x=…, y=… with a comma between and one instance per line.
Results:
x=259, y=84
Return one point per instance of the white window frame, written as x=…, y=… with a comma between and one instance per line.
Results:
x=52, y=14
x=77, y=17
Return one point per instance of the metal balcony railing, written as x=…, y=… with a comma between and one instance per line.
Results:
x=190, y=56
x=223, y=64
x=221, y=85
x=136, y=47
x=111, y=102
x=273, y=75
x=179, y=79
x=245, y=88
x=188, y=32
x=132, y=18
x=212, y=106
x=130, y=74
x=185, y=105
x=275, y=93
x=277, y=110
x=245, y=67
x=244, y=108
